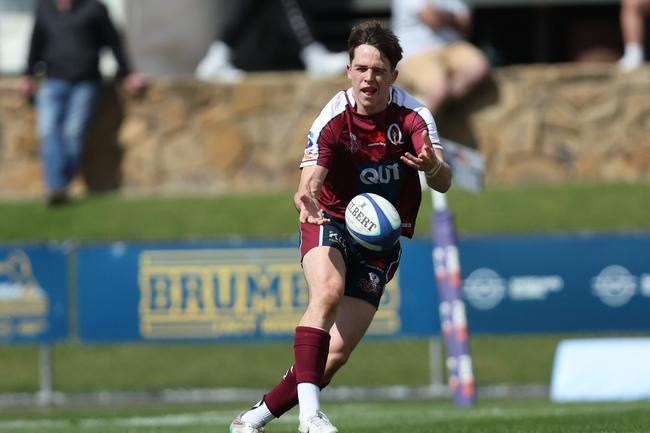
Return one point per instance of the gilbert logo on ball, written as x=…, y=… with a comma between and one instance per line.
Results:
x=373, y=221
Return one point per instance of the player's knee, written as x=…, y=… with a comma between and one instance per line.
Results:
x=326, y=296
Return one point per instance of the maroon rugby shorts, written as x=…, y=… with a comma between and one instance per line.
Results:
x=367, y=272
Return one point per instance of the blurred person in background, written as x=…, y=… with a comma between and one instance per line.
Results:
x=633, y=16
x=65, y=47
x=318, y=61
x=439, y=64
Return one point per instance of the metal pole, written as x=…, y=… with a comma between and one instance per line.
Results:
x=46, y=388
x=435, y=362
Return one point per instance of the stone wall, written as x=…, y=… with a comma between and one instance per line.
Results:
x=566, y=123
x=533, y=124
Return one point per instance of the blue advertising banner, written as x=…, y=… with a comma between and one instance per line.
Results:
x=154, y=292
x=33, y=293
x=249, y=291
x=551, y=283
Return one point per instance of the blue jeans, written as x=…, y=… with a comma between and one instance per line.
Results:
x=65, y=110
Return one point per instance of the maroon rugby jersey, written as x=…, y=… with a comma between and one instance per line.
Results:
x=362, y=153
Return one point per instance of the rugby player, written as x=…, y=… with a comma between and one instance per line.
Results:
x=373, y=137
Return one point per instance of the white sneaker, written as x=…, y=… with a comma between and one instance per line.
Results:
x=319, y=62
x=628, y=64
x=216, y=65
x=632, y=57
x=318, y=423
x=239, y=426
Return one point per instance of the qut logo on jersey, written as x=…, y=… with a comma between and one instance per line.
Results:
x=380, y=174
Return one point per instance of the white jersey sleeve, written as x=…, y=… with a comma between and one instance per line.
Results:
x=334, y=108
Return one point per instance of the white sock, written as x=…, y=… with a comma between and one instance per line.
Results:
x=632, y=56
x=309, y=400
x=259, y=415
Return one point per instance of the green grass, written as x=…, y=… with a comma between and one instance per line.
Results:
x=503, y=416
x=547, y=208
x=513, y=359
x=597, y=207
x=520, y=359
x=113, y=217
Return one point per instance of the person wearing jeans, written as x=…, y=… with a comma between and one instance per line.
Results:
x=65, y=110
x=66, y=41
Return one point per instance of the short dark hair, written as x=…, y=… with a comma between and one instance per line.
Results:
x=375, y=34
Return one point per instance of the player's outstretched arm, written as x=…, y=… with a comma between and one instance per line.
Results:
x=306, y=198
x=436, y=171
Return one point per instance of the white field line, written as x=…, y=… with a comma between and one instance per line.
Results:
x=182, y=419
x=357, y=410
x=369, y=410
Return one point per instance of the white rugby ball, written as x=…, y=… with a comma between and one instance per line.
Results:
x=373, y=221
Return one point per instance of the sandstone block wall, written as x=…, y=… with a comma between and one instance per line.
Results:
x=533, y=123
x=566, y=123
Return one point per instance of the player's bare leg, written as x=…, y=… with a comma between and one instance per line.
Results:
x=324, y=270
x=325, y=274
x=353, y=317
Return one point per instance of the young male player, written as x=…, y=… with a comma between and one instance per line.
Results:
x=373, y=137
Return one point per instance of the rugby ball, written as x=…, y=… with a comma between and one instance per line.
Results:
x=373, y=221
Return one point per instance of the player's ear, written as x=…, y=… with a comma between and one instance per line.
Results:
x=394, y=75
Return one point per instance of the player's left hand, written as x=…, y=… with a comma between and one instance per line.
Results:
x=426, y=159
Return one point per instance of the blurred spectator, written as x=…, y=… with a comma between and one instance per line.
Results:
x=218, y=65
x=632, y=16
x=437, y=63
x=66, y=41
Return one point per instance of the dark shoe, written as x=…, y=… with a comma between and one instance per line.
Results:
x=57, y=198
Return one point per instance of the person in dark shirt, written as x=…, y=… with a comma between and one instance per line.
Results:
x=66, y=42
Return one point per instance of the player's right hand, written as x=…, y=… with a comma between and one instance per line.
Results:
x=310, y=211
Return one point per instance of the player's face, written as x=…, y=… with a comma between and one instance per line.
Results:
x=371, y=76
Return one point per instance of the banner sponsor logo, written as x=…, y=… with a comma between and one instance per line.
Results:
x=23, y=302
x=614, y=285
x=484, y=288
x=232, y=293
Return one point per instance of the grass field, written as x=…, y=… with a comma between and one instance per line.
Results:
x=497, y=359
x=115, y=367
x=501, y=416
x=555, y=208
